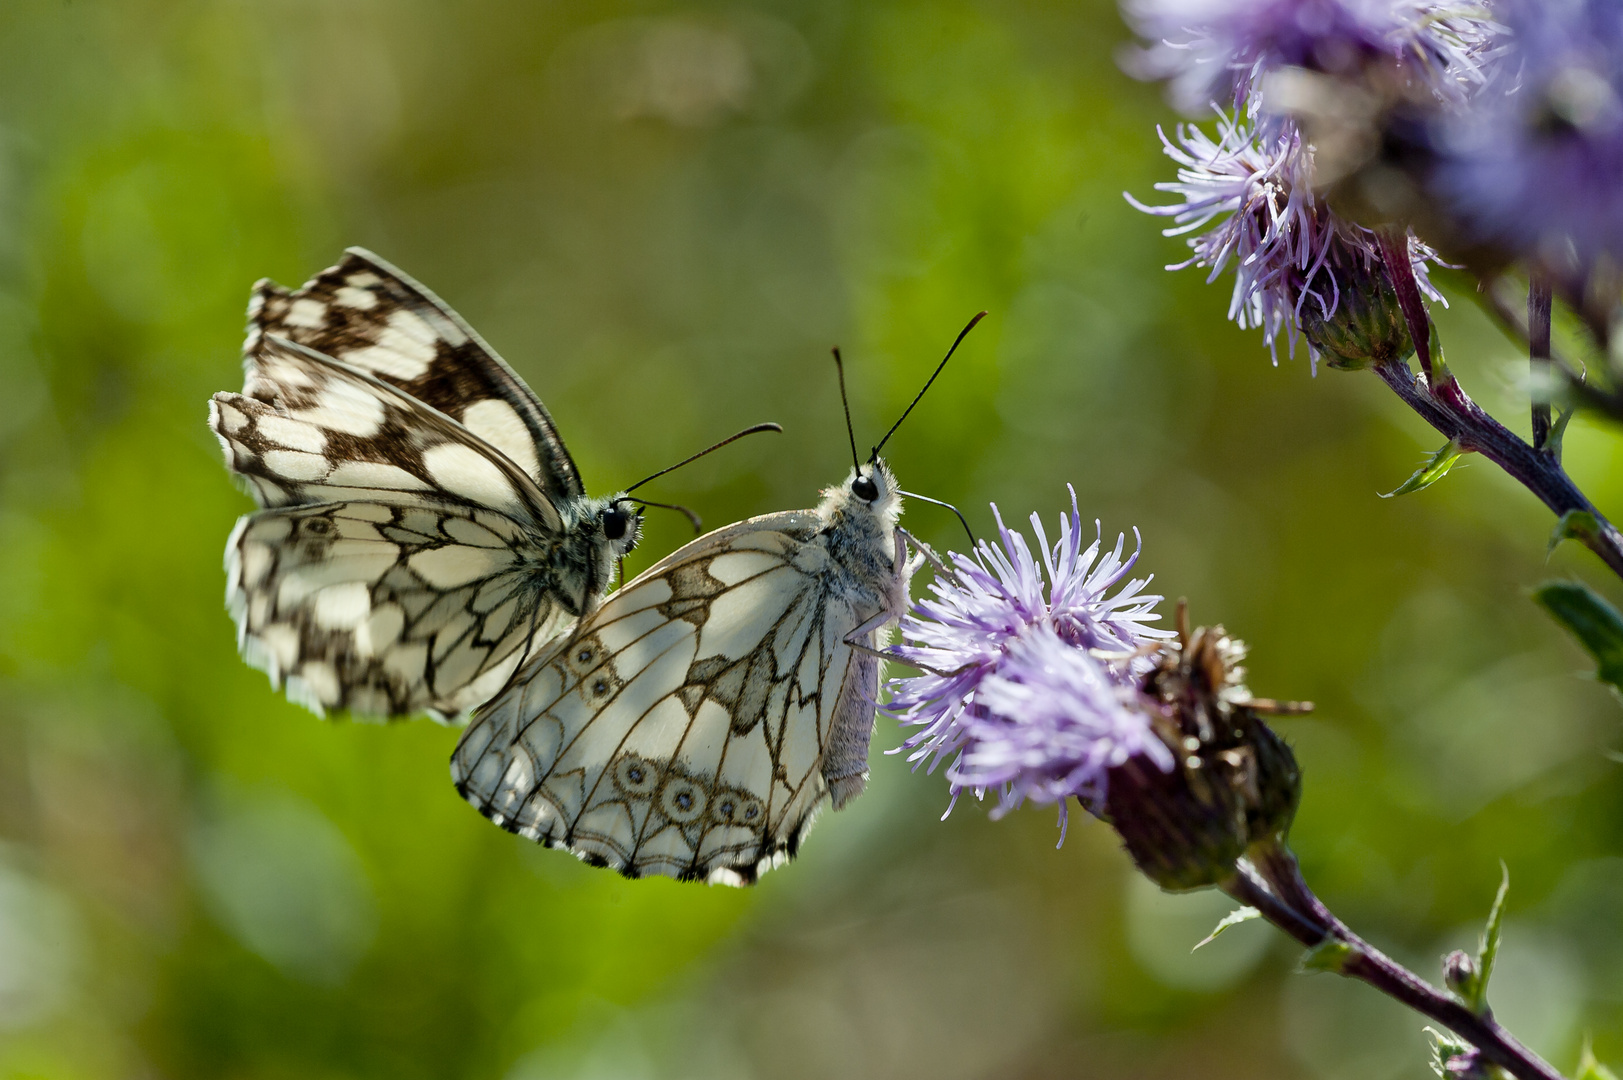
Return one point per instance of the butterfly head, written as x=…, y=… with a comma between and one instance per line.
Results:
x=869, y=492
x=620, y=523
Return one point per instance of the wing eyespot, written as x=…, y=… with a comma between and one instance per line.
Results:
x=682, y=800
x=737, y=809
x=636, y=776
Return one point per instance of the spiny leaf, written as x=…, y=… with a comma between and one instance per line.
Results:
x=1574, y=525
x=1445, y=1047
x=1552, y=441
x=1588, y=617
x=1331, y=954
x=1233, y=918
x=1589, y=1068
x=1489, y=950
x=1435, y=468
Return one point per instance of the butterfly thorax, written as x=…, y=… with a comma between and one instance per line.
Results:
x=861, y=537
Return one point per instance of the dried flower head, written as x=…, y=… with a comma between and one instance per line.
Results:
x=1248, y=201
x=989, y=633
x=1234, y=783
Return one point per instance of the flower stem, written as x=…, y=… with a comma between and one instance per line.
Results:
x=1452, y=412
x=1270, y=881
x=1538, y=354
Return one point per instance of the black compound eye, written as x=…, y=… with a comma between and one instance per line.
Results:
x=865, y=489
x=615, y=521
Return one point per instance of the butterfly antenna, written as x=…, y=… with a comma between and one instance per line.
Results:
x=961, y=335
x=702, y=453
x=693, y=519
x=949, y=506
x=839, y=366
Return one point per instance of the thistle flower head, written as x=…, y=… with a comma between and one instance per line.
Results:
x=1534, y=161
x=1248, y=202
x=1048, y=723
x=990, y=633
x=1224, y=50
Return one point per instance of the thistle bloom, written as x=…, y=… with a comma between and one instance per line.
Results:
x=1534, y=162
x=1248, y=200
x=1224, y=50
x=989, y=639
x=1052, y=720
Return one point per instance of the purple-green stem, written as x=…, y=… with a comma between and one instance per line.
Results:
x=1270, y=881
x=1538, y=356
x=1440, y=400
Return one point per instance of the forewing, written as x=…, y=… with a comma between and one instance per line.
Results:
x=680, y=729
x=310, y=429
x=387, y=609
x=373, y=317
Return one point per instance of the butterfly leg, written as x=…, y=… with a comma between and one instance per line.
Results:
x=926, y=554
x=855, y=639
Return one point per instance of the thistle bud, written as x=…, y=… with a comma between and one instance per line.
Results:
x=1459, y=973
x=1234, y=782
x=1365, y=325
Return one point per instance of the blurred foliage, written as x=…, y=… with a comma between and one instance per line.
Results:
x=664, y=215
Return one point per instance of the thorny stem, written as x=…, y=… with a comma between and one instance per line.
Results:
x=1455, y=415
x=1270, y=881
x=1440, y=400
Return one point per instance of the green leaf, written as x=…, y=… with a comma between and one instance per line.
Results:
x=1589, y=1068
x=1589, y=618
x=1435, y=468
x=1552, y=441
x=1574, y=525
x=1445, y=1047
x=1489, y=950
x=1331, y=954
x=1233, y=918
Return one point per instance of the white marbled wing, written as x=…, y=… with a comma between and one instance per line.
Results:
x=373, y=317
x=404, y=563
x=695, y=724
x=333, y=432
x=388, y=610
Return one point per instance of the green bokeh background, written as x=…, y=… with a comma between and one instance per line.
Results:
x=663, y=215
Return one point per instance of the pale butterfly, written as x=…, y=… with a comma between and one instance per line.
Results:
x=425, y=527
x=695, y=724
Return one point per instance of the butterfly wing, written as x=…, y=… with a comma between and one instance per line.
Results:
x=404, y=562
x=373, y=317
x=682, y=729
x=309, y=429
x=387, y=608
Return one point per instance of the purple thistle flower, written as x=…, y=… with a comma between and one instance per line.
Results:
x=1048, y=722
x=1536, y=159
x=988, y=610
x=1289, y=249
x=1222, y=51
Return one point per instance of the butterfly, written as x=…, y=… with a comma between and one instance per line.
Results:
x=423, y=525
x=696, y=723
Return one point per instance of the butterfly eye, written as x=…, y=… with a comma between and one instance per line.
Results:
x=615, y=521
x=865, y=489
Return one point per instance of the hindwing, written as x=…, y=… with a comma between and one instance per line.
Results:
x=685, y=728
x=388, y=609
x=373, y=317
